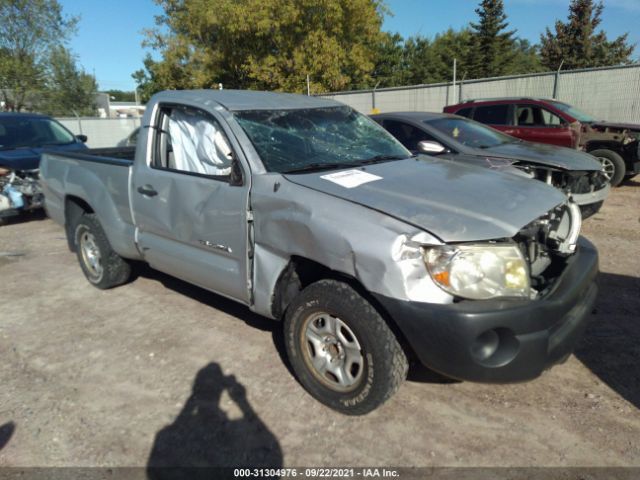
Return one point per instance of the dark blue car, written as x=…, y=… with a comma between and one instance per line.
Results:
x=23, y=138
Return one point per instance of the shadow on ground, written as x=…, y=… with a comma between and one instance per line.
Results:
x=417, y=372
x=611, y=346
x=28, y=216
x=218, y=302
x=203, y=436
x=632, y=182
x=6, y=432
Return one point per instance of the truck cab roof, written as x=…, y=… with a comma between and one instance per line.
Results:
x=239, y=100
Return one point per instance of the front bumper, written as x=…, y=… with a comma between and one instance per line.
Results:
x=591, y=197
x=502, y=341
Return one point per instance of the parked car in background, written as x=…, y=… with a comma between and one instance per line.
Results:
x=23, y=138
x=577, y=174
x=131, y=140
x=308, y=212
x=616, y=145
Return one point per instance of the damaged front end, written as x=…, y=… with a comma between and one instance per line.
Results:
x=588, y=189
x=525, y=266
x=623, y=135
x=20, y=191
x=547, y=243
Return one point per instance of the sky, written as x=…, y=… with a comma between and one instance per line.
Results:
x=110, y=33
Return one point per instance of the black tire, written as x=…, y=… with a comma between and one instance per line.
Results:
x=590, y=209
x=103, y=267
x=383, y=365
x=615, y=161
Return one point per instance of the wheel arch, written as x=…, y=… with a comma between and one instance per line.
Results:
x=74, y=208
x=604, y=145
x=301, y=272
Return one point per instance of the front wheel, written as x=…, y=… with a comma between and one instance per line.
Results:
x=613, y=165
x=103, y=267
x=341, y=349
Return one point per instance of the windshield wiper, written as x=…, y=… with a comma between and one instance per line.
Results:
x=15, y=147
x=316, y=167
x=54, y=144
x=383, y=158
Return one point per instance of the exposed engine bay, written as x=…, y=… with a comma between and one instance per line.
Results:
x=19, y=191
x=569, y=181
x=548, y=242
x=604, y=134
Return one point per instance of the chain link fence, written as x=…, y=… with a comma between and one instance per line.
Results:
x=101, y=132
x=611, y=93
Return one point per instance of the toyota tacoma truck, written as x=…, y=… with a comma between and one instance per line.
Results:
x=308, y=212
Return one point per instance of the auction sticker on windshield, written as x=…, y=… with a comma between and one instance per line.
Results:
x=351, y=178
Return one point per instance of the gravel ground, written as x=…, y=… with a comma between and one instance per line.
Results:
x=160, y=370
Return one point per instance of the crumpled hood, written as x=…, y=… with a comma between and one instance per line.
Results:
x=28, y=158
x=542, y=154
x=453, y=201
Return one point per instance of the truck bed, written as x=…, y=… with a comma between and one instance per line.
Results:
x=98, y=177
x=119, y=156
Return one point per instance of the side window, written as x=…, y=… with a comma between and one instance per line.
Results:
x=492, y=114
x=551, y=119
x=465, y=112
x=535, y=116
x=406, y=134
x=191, y=141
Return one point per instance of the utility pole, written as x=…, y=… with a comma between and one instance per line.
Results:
x=556, y=81
x=308, y=86
x=455, y=68
x=374, y=109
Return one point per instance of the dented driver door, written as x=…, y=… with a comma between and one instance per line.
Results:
x=191, y=222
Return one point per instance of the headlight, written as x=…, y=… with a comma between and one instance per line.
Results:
x=479, y=271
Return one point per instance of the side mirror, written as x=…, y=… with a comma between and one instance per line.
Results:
x=427, y=146
x=235, y=177
x=82, y=138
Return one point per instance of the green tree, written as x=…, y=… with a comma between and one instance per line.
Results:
x=494, y=48
x=390, y=67
x=431, y=60
x=147, y=79
x=577, y=42
x=121, y=96
x=29, y=30
x=264, y=44
x=67, y=90
x=526, y=58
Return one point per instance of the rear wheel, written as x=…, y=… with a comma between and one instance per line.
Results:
x=612, y=164
x=103, y=267
x=341, y=349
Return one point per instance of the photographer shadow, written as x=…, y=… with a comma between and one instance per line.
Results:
x=6, y=432
x=203, y=439
x=611, y=345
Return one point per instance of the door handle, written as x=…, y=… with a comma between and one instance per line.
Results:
x=147, y=191
x=216, y=246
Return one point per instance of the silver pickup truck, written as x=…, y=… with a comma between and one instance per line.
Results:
x=309, y=212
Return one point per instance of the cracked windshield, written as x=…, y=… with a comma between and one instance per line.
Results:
x=290, y=141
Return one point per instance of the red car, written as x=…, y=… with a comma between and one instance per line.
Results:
x=617, y=146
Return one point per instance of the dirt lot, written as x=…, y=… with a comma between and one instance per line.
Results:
x=161, y=370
